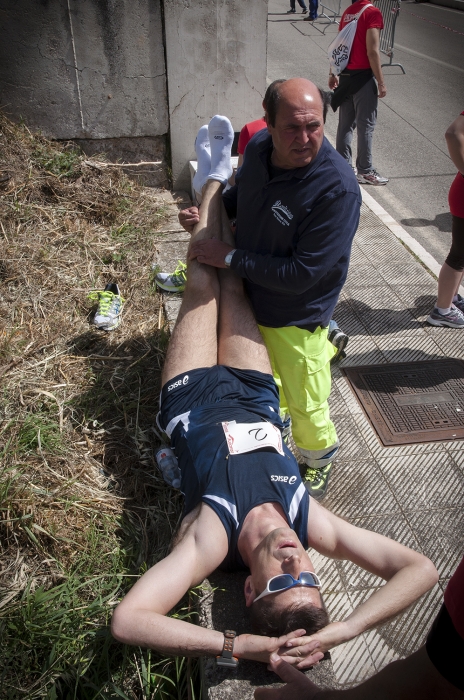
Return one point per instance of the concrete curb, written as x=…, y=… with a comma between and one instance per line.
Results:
x=413, y=246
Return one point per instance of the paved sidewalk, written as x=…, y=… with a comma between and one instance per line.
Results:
x=412, y=493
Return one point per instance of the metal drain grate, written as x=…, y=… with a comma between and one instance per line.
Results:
x=412, y=402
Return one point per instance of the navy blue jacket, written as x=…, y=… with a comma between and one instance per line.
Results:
x=294, y=234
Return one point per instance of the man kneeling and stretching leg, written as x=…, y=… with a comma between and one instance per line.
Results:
x=246, y=506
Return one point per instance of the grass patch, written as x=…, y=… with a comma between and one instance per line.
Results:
x=83, y=510
x=64, y=163
x=39, y=431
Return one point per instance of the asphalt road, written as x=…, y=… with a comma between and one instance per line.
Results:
x=409, y=143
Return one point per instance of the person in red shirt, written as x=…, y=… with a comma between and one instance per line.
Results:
x=357, y=90
x=449, y=310
x=246, y=133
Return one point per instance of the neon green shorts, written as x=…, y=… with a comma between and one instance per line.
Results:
x=301, y=367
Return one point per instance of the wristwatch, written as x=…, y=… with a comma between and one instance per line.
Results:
x=227, y=659
x=228, y=258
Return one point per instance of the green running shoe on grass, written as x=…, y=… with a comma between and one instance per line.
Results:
x=110, y=301
x=173, y=281
x=316, y=480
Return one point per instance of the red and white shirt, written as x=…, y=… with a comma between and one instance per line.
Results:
x=370, y=19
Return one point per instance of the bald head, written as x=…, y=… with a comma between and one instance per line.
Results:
x=296, y=90
x=289, y=90
x=295, y=115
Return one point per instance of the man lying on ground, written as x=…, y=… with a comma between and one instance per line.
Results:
x=245, y=504
x=434, y=672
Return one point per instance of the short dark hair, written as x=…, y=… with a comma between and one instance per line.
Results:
x=272, y=97
x=269, y=621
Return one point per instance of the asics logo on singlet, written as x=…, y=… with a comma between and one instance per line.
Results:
x=280, y=211
x=286, y=479
x=179, y=382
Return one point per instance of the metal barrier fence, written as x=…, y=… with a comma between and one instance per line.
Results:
x=390, y=10
x=330, y=9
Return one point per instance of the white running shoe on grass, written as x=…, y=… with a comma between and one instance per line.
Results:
x=110, y=302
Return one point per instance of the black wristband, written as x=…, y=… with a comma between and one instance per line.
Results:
x=227, y=658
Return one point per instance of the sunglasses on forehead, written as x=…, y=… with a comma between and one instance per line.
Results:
x=282, y=582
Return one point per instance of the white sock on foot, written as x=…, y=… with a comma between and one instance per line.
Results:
x=202, y=149
x=444, y=312
x=221, y=138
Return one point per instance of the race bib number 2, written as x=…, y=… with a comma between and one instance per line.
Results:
x=247, y=437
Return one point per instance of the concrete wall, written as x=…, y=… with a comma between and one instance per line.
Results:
x=216, y=64
x=90, y=70
x=94, y=71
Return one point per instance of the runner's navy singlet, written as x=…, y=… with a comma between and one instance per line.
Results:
x=231, y=484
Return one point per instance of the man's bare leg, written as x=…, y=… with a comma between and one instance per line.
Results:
x=194, y=339
x=240, y=343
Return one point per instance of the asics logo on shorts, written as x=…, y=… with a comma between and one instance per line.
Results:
x=180, y=382
x=219, y=137
x=286, y=479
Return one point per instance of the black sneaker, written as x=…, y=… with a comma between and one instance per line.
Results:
x=459, y=303
x=338, y=338
x=291, y=12
x=287, y=429
x=316, y=481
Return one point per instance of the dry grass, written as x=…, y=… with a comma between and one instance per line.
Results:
x=79, y=492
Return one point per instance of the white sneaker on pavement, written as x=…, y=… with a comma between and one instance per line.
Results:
x=372, y=178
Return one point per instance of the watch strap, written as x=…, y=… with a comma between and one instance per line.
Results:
x=228, y=257
x=227, y=658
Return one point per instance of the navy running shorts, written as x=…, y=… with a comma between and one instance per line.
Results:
x=222, y=389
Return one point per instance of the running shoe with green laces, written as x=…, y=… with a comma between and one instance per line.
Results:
x=110, y=301
x=173, y=281
x=316, y=481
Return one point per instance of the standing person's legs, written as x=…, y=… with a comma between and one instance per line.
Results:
x=449, y=310
x=302, y=360
x=449, y=280
x=346, y=124
x=453, y=266
x=302, y=4
x=313, y=6
x=194, y=339
x=365, y=103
